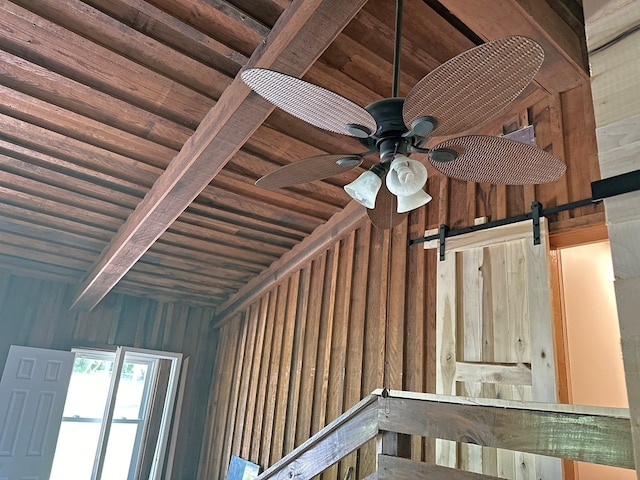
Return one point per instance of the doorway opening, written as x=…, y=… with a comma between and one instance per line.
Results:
x=594, y=369
x=117, y=414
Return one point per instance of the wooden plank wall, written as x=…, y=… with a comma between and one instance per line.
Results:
x=614, y=57
x=361, y=315
x=33, y=313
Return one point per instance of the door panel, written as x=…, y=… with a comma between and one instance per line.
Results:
x=494, y=336
x=32, y=395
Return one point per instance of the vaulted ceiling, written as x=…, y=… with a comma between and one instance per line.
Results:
x=129, y=146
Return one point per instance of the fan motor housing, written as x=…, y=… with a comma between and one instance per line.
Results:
x=392, y=135
x=388, y=115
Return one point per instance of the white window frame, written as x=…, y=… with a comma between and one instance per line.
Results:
x=107, y=419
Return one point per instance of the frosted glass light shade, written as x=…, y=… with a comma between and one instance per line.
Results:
x=364, y=189
x=411, y=202
x=405, y=180
x=406, y=176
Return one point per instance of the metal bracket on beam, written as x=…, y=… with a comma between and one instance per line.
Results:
x=442, y=233
x=536, y=213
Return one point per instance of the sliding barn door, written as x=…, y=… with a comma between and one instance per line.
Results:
x=494, y=336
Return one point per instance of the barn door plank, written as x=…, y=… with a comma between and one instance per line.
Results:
x=446, y=307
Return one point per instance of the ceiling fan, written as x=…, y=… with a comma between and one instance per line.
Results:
x=460, y=94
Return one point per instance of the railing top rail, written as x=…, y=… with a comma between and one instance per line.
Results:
x=571, y=433
x=614, y=412
x=568, y=431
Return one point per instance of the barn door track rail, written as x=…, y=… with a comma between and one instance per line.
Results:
x=601, y=189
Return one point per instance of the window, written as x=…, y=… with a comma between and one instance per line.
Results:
x=116, y=416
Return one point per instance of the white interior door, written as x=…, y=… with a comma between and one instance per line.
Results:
x=33, y=390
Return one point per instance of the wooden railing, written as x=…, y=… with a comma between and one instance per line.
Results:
x=587, y=434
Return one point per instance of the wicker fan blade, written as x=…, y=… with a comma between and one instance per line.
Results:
x=498, y=160
x=469, y=89
x=385, y=216
x=308, y=170
x=308, y=102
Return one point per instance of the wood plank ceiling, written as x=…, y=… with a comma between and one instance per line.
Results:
x=97, y=97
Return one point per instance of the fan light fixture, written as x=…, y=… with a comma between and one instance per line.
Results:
x=405, y=180
x=365, y=188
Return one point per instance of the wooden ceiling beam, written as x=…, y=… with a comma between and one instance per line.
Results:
x=564, y=67
x=299, y=37
x=265, y=11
